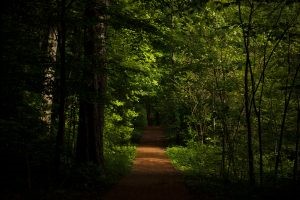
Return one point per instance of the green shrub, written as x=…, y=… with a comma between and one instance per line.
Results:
x=196, y=158
x=118, y=162
x=122, y=124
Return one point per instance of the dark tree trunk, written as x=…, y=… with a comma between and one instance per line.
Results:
x=288, y=95
x=257, y=111
x=296, y=173
x=246, y=36
x=249, y=126
x=91, y=111
x=62, y=87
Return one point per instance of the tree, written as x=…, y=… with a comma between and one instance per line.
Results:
x=62, y=89
x=92, y=101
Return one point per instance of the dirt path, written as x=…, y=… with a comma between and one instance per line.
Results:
x=153, y=176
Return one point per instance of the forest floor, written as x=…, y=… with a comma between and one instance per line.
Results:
x=152, y=176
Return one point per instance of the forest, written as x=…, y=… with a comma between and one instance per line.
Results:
x=81, y=79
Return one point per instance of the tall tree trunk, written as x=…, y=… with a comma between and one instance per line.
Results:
x=227, y=150
x=246, y=36
x=296, y=173
x=52, y=79
x=91, y=111
x=62, y=87
x=257, y=111
x=248, y=121
x=288, y=95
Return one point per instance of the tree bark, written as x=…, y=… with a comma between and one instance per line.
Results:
x=296, y=173
x=92, y=102
x=246, y=36
x=62, y=87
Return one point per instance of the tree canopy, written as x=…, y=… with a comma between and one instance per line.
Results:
x=81, y=79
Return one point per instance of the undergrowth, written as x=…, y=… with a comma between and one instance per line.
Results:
x=118, y=162
x=200, y=164
x=89, y=181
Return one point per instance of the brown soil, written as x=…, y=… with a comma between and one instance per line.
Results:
x=153, y=176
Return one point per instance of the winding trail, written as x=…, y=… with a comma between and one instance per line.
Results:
x=153, y=176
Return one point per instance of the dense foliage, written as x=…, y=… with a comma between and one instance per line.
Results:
x=80, y=80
